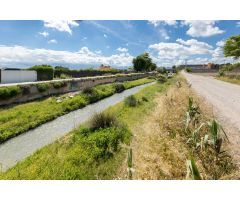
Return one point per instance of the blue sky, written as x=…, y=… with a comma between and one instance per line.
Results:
x=83, y=44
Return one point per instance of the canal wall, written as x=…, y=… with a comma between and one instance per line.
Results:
x=32, y=91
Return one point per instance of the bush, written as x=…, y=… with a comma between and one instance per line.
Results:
x=88, y=90
x=189, y=70
x=74, y=103
x=131, y=101
x=102, y=120
x=25, y=89
x=144, y=99
x=221, y=73
x=119, y=87
x=161, y=78
x=42, y=87
x=9, y=92
x=44, y=72
x=59, y=84
x=64, y=76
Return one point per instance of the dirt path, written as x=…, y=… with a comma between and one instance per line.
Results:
x=155, y=155
x=225, y=99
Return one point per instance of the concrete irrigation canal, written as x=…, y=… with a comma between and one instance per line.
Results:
x=18, y=148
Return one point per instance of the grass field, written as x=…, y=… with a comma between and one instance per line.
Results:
x=19, y=118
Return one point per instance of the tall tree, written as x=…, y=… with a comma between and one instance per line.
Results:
x=143, y=63
x=232, y=47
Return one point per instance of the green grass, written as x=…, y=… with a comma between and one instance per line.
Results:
x=20, y=118
x=78, y=155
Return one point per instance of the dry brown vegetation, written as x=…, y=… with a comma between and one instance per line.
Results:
x=161, y=143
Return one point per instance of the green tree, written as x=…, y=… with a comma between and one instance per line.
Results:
x=153, y=67
x=232, y=47
x=143, y=63
x=162, y=70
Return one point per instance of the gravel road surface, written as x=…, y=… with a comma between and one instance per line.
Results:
x=225, y=99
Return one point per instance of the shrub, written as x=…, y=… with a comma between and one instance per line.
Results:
x=9, y=92
x=25, y=89
x=44, y=72
x=88, y=90
x=161, y=78
x=64, y=76
x=42, y=87
x=131, y=101
x=144, y=99
x=59, y=84
x=221, y=73
x=119, y=87
x=73, y=104
x=102, y=120
x=189, y=70
x=100, y=144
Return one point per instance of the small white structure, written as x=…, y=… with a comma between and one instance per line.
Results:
x=17, y=76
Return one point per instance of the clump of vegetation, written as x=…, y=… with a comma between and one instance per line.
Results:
x=43, y=87
x=221, y=73
x=25, y=89
x=44, y=72
x=88, y=90
x=192, y=113
x=9, y=92
x=144, y=99
x=161, y=78
x=131, y=101
x=119, y=87
x=103, y=120
x=130, y=164
x=188, y=69
x=59, y=84
x=215, y=132
x=73, y=104
x=192, y=170
x=65, y=76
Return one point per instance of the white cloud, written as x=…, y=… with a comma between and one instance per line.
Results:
x=98, y=51
x=200, y=28
x=164, y=22
x=53, y=41
x=44, y=33
x=238, y=24
x=61, y=25
x=120, y=49
x=181, y=49
x=104, y=35
x=220, y=43
x=84, y=38
x=192, y=51
x=164, y=34
x=23, y=56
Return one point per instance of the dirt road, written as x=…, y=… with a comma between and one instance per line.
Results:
x=225, y=99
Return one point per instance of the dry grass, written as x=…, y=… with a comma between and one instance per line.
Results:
x=159, y=144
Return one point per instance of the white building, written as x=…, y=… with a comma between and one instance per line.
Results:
x=13, y=75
